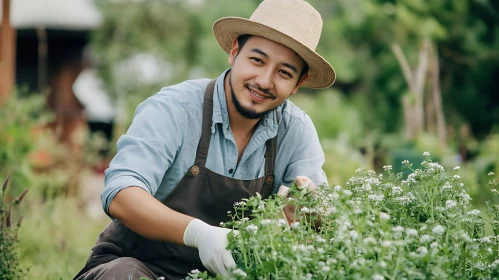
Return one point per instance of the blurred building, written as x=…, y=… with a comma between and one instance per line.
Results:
x=50, y=36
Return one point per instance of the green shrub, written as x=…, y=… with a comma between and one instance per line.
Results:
x=380, y=226
x=9, y=259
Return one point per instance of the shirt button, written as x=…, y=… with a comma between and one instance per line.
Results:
x=231, y=170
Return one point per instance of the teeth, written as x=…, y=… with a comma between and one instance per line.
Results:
x=256, y=94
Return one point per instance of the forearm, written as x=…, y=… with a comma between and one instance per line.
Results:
x=142, y=213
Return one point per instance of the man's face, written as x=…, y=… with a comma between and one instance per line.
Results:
x=263, y=75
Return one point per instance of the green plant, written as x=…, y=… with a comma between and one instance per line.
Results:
x=9, y=259
x=379, y=227
x=20, y=117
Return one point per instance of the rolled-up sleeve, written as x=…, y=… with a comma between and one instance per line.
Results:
x=307, y=156
x=147, y=149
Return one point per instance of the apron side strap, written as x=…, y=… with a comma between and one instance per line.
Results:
x=270, y=154
x=204, y=142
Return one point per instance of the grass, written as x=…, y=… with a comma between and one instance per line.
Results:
x=56, y=237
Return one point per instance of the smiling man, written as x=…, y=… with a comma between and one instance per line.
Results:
x=196, y=148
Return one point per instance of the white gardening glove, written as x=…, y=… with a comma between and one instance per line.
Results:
x=211, y=242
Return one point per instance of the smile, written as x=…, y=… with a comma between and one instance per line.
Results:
x=256, y=96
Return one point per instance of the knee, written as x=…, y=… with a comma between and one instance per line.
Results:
x=124, y=268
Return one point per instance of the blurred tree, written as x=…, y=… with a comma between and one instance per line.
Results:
x=357, y=38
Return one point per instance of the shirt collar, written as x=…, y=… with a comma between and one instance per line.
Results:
x=268, y=124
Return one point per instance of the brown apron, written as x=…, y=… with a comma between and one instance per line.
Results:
x=202, y=194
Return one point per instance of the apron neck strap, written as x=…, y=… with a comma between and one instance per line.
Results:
x=204, y=142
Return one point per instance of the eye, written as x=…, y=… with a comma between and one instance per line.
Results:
x=286, y=73
x=256, y=59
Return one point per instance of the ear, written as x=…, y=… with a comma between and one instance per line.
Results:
x=233, y=52
x=300, y=82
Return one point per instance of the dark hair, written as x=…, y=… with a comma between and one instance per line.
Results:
x=242, y=39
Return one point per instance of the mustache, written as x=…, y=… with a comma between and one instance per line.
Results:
x=255, y=87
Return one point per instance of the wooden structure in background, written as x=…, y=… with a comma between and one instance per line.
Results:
x=42, y=53
x=7, y=53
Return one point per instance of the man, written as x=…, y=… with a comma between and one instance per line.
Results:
x=196, y=148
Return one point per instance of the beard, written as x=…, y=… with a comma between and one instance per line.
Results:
x=245, y=112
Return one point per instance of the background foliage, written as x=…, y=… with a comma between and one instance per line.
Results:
x=145, y=45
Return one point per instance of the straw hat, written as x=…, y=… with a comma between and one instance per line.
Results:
x=292, y=23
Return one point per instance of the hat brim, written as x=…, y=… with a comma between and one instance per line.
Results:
x=321, y=73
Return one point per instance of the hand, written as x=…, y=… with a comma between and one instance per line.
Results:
x=289, y=209
x=211, y=242
x=301, y=182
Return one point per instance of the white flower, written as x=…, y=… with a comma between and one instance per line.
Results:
x=326, y=268
x=485, y=239
x=434, y=245
x=378, y=277
x=266, y=222
x=221, y=223
x=433, y=166
x=398, y=229
x=347, y=192
x=252, y=228
x=331, y=210
x=383, y=264
x=474, y=212
x=465, y=197
x=457, y=168
x=495, y=264
x=447, y=185
x=239, y=272
x=425, y=238
x=438, y=230
x=295, y=225
x=305, y=210
x=387, y=167
x=320, y=250
x=280, y=222
x=320, y=239
x=384, y=216
x=405, y=161
x=228, y=212
x=331, y=261
x=242, y=203
x=450, y=204
x=456, y=177
x=490, y=250
x=387, y=243
x=426, y=154
x=491, y=174
x=422, y=251
x=376, y=198
x=337, y=188
x=465, y=236
x=195, y=271
x=369, y=240
x=411, y=232
x=396, y=190
x=354, y=234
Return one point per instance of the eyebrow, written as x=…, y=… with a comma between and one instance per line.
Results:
x=259, y=51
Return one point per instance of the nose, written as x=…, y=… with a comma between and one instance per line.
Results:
x=265, y=79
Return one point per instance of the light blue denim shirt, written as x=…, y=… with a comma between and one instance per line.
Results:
x=160, y=145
